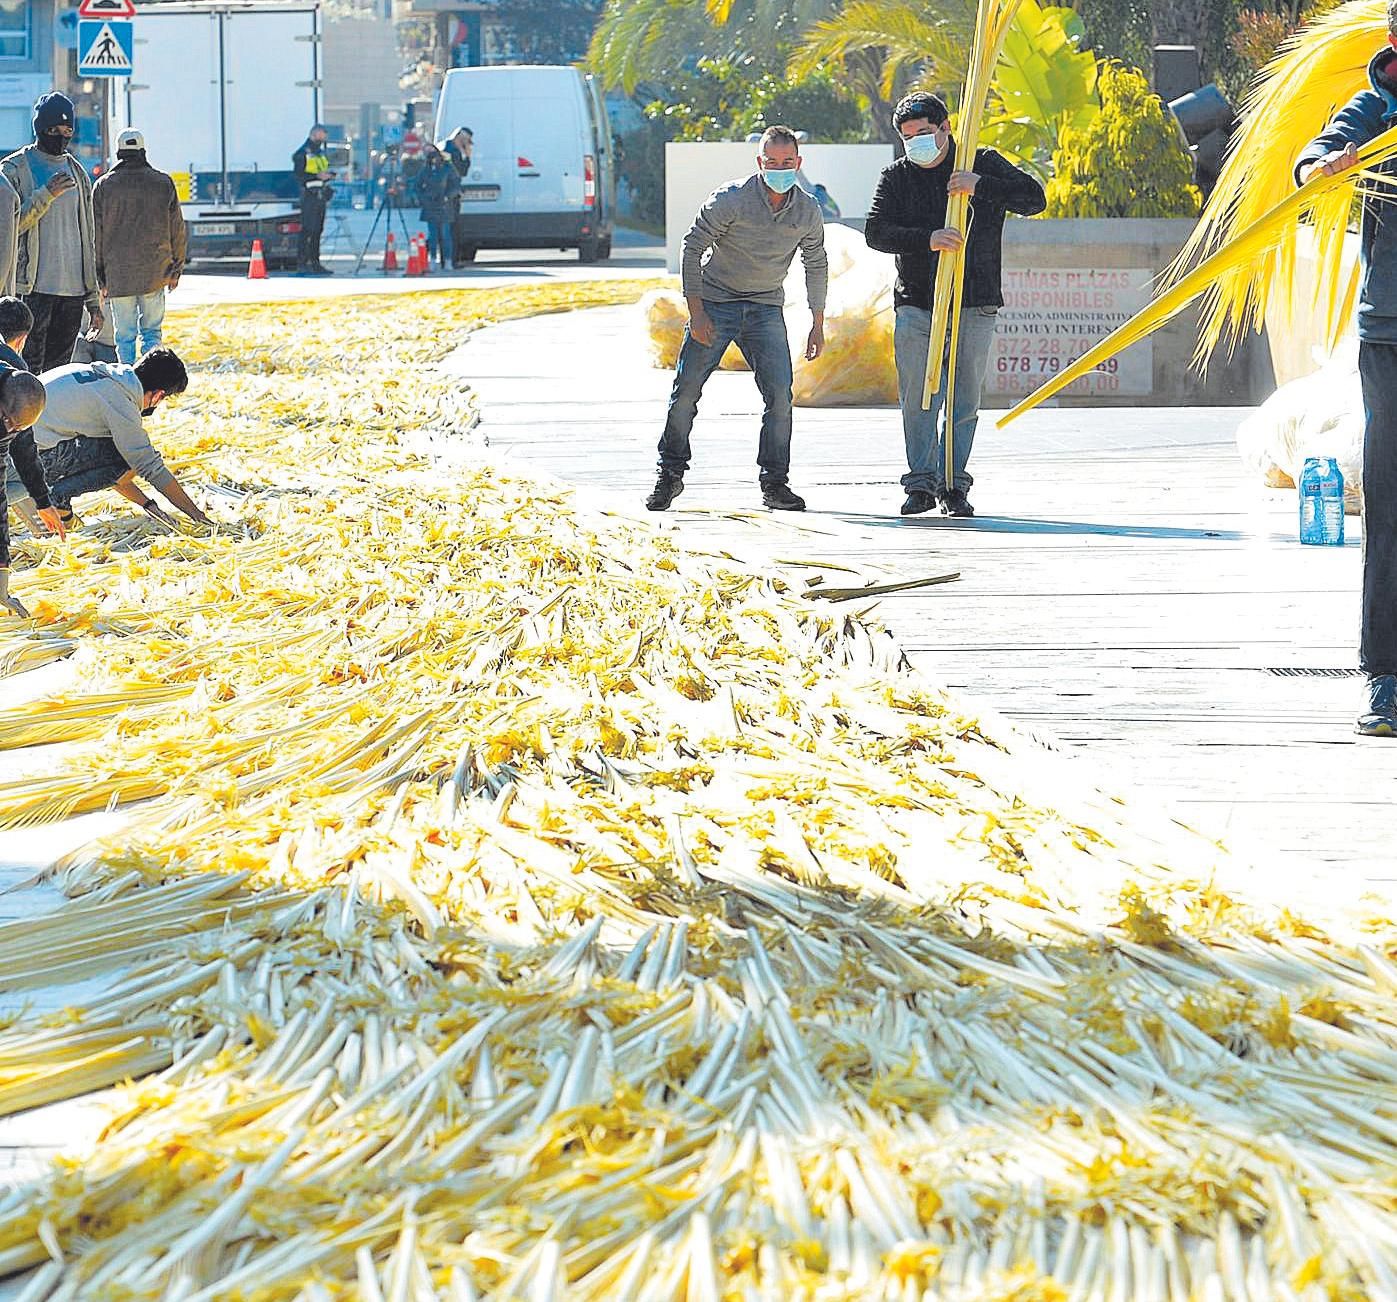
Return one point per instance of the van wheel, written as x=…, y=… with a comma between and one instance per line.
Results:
x=589, y=250
x=604, y=247
x=465, y=253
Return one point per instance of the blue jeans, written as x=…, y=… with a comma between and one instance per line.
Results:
x=759, y=330
x=924, y=431
x=81, y=465
x=137, y=315
x=441, y=242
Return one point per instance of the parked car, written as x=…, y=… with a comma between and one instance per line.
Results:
x=542, y=171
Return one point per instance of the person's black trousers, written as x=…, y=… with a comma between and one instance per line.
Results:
x=1377, y=367
x=313, y=205
x=57, y=320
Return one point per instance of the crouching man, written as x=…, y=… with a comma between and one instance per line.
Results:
x=736, y=256
x=91, y=435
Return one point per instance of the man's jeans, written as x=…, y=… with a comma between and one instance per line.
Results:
x=1377, y=368
x=924, y=431
x=441, y=242
x=80, y=465
x=137, y=315
x=759, y=330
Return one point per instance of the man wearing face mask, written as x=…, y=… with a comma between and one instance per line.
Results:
x=55, y=260
x=908, y=218
x=91, y=434
x=750, y=231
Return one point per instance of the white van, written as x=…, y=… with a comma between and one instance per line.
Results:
x=542, y=171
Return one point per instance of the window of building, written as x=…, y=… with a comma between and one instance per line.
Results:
x=15, y=25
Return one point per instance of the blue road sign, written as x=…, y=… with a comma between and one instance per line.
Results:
x=104, y=48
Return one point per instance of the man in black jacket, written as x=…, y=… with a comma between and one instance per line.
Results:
x=908, y=218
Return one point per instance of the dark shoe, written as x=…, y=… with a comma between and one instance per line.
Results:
x=1380, y=718
x=667, y=488
x=778, y=497
x=919, y=502
x=956, y=503
x=323, y=271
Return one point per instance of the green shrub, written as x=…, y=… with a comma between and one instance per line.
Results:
x=1130, y=161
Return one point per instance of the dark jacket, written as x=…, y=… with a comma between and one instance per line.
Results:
x=910, y=203
x=458, y=158
x=438, y=190
x=139, y=228
x=20, y=449
x=1367, y=115
x=312, y=166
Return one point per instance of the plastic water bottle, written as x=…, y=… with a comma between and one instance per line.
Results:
x=1322, y=503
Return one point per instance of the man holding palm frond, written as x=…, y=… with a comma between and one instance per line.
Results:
x=908, y=218
x=1366, y=116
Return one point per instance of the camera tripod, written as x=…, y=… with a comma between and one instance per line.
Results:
x=387, y=206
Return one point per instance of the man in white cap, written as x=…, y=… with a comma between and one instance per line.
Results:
x=141, y=245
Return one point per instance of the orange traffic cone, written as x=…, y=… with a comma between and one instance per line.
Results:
x=390, y=254
x=414, y=257
x=257, y=264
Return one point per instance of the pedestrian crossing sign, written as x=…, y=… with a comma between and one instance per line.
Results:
x=104, y=48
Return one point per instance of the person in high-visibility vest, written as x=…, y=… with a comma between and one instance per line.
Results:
x=312, y=166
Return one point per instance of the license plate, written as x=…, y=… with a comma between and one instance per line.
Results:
x=216, y=228
x=480, y=193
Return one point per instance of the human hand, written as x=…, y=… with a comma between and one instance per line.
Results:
x=172, y=282
x=701, y=328
x=53, y=522
x=815, y=344
x=962, y=182
x=1334, y=162
x=152, y=509
x=60, y=183
x=948, y=240
x=7, y=602
x=95, y=322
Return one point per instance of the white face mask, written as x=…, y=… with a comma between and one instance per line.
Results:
x=925, y=149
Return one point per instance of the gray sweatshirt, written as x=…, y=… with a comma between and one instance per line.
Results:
x=100, y=400
x=752, y=246
x=9, y=235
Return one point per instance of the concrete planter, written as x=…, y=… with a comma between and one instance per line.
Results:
x=1070, y=282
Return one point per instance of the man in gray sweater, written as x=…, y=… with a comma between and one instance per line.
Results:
x=736, y=256
x=55, y=259
x=91, y=434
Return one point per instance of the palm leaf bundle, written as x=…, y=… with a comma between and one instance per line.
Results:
x=1251, y=245
x=1241, y=257
x=992, y=23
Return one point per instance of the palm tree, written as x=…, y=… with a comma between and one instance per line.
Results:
x=882, y=46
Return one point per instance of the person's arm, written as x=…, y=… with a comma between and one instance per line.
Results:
x=816, y=260
x=891, y=227
x=714, y=220
x=298, y=165
x=179, y=239
x=173, y=493
x=41, y=198
x=99, y=242
x=1000, y=183
x=1336, y=147
x=25, y=456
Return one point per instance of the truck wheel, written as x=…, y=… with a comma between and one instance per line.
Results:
x=589, y=250
x=465, y=253
x=604, y=247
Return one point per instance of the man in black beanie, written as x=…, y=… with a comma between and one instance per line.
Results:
x=55, y=259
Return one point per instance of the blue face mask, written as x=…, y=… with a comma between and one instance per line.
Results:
x=779, y=179
x=924, y=149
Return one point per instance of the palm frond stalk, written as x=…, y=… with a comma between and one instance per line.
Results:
x=992, y=22
x=1254, y=246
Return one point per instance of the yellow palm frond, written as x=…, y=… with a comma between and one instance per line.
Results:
x=1314, y=73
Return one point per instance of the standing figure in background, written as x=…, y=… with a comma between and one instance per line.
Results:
x=55, y=257
x=313, y=174
x=438, y=191
x=141, y=245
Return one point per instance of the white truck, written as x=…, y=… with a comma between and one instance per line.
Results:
x=224, y=92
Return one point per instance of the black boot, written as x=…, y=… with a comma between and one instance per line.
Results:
x=778, y=497
x=667, y=487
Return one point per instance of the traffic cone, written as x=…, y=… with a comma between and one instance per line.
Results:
x=257, y=264
x=390, y=254
x=414, y=257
